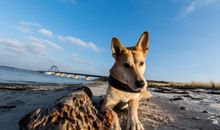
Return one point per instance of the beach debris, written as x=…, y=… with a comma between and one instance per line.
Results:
x=215, y=119
x=176, y=98
x=182, y=108
x=11, y=105
x=169, y=90
x=6, y=107
x=204, y=111
x=195, y=96
x=195, y=118
x=70, y=112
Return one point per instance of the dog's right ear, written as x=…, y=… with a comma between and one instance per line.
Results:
x=117, y=47
x=143, y=42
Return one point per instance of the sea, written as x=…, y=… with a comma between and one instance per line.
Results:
x=17, y=75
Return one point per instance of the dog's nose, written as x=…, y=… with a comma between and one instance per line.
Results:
x=139, y=83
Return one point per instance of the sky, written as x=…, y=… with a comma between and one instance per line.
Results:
x=75, y=35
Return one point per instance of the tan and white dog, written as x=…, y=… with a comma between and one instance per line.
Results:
x=127, y=84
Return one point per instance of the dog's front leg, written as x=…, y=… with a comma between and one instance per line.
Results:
x=133, y=122
x=108, y=105
x=114, y=120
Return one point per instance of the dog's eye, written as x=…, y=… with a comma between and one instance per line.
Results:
x=142, y=63
x=126, y=65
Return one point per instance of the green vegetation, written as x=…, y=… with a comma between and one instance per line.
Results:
x=189, y=85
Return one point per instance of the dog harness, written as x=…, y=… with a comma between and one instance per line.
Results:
x=121, y=86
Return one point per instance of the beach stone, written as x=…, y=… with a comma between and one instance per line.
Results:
x=7, y=107
x=182, y=108
x=176, y=98
x=205, y=112
x=71, y=112
x=195, y=118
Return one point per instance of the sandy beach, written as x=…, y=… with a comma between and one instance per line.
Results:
x=168, y=109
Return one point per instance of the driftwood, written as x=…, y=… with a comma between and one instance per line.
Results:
x=71, y=112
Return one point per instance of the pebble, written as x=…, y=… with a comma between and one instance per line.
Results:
x=176, y=98
x=195, y=118
x=205, y=112
x=182, y=108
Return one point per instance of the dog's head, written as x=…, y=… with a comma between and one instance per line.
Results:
x=130, y=62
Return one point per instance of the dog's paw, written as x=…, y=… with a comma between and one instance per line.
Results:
x=135, y=125
x=111, y=120
x=116, y=128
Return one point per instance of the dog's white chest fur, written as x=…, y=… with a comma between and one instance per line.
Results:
x=119, y=96
x=129, y=97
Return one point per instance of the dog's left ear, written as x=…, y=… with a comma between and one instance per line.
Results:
x=117, y=47
x=143, y=42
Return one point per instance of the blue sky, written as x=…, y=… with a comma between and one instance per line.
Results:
x=76, y=35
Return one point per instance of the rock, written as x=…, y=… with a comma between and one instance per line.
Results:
x=176, y=98
x=11, y=105
x=195, y=118
x=6, y=107
x=73, y=111
x=182, y=108
x=205, y=112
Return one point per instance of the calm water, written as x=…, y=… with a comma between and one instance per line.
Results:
x=15, y=75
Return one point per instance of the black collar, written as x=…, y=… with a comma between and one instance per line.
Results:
x=120, y=86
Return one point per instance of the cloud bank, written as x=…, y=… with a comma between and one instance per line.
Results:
x=196, y=4
x=45, y=32
x=79, y=42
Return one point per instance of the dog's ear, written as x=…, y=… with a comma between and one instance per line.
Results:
x=143, y=42
x=117, y=47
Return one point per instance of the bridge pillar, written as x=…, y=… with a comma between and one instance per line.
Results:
x=57, y=74
x=62, y=74
x=68, y=75
x=48, y=73
x=87, y=78
x=76, y=76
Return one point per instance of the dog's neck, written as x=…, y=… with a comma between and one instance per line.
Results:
x=116, y=81
x=116, y=75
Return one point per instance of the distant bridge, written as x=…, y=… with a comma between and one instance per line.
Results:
x=54, y=70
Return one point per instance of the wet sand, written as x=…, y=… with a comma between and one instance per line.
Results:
x=169, y=109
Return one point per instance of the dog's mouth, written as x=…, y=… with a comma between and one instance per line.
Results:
x=135, y=89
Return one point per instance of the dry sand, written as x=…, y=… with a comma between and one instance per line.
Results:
x=169, y=109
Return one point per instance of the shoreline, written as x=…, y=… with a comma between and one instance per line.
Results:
x=168, y=109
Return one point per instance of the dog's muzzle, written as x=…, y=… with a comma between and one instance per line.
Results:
x=139, y=83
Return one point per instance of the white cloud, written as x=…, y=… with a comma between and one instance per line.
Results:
x=195, y=4
x=21, y=47
x=32, y=28
x=94, y=47
x=27, y=27
x=29, y=45
x=25, y=23
x=12, y=45
x=73, y=57
x=24, y=29
x=36, y=48
x=79, y=42
x=48, y=44
x=45, y=32
x=73, y=40
x=54, y=45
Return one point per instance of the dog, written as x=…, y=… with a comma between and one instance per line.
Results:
x=127, y=84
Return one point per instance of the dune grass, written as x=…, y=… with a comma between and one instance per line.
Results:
x=188, y=85
x=180, y=85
